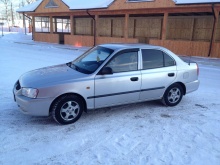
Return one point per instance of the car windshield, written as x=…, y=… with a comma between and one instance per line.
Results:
x=91, y=60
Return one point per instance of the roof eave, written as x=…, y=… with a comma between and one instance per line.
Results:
x=204, y=3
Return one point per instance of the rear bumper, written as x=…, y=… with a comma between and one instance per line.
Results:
x=192, y=86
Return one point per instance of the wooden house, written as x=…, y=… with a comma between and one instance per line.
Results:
x=187, y=27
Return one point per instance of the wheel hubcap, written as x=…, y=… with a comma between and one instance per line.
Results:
x=69, y=110
x=174, y=95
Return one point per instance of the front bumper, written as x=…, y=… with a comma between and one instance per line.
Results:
x=34, y=107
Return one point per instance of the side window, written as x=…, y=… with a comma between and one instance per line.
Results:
x=156, y=59
x=168, y=61
x=152, y=58
x=124, y=62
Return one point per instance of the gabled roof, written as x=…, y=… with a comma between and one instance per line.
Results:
x=30, y=8
x=183, y=2
x=101, y=4
x=72, y=4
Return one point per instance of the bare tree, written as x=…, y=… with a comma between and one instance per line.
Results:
x=30, y=1
x=6, y=4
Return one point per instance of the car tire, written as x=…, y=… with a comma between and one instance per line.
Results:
x=173, y=95
x=67, y=109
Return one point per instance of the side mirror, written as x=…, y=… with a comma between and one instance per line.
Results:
x=106, y=70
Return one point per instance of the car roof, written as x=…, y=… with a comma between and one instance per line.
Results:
x=118, y=46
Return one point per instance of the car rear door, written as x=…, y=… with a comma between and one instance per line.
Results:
x=123, y=86
x=158, y=72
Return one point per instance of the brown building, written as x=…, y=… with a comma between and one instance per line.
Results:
x=186, y=27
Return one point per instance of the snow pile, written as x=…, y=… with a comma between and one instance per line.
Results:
x=143, y=133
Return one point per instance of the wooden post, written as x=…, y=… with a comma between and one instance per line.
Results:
x=51, y=24
x=216, y=24
x=216, y=12
x=192, y=30
x=33, y=27
x=24, y=24
x=72, y=24
x=164, y=27
x=126, y=26
x=97, y=25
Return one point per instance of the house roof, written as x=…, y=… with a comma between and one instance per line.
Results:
x=99, y=4
x=30, y=8
x=72, y=4
x=183, y=2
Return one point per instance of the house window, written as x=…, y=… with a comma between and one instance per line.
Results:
x=61, y=25
x=42, y=24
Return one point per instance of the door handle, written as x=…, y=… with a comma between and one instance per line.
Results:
x=134, y=78
x=171, y=74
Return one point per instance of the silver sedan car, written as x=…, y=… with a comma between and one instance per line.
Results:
x=106, y=75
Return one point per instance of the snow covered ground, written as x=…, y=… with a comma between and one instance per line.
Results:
x=145, y=133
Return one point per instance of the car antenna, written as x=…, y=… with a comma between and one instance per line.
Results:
x=190, y=59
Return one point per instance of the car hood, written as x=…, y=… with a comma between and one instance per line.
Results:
x=52, y=75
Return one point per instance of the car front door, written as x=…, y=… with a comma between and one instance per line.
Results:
x=158, y=72
x=123, y=85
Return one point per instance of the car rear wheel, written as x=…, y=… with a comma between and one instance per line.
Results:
x=67, y=109
x=173, y=95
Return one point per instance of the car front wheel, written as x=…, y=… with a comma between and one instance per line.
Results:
x=67, y=109
x=173, y=95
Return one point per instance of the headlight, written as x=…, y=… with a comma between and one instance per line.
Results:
x=29, y=92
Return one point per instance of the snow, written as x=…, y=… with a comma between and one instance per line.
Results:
x=87, y=4
x=178, y=2
x=143, y=133
x=30, y=8
x=73, y=5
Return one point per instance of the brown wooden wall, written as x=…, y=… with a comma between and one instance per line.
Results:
x=104, y=27
x=83, y=26
x=79, y=40
x=144, y=28
x=123, y=4
x=46, y=37
x=191, y=28
x=190, y=48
